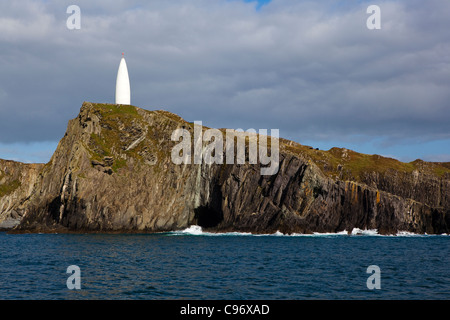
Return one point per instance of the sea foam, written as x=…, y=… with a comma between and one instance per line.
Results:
x=195, y=230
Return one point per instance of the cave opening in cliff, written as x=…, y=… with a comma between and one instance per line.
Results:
x=207, y=217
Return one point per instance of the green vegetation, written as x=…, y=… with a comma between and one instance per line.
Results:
x=441, y=169
x=10, y=187
x=436, y=168
x=348, y=164
x=101, y=147
x=115, y=109
x=358, y=163
x=173, y=116
x=119, y=163
x=119, y=124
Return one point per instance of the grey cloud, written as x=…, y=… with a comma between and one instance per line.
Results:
x=310, y=68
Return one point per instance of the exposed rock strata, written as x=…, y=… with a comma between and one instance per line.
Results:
x=112, y=171
x=17, y=181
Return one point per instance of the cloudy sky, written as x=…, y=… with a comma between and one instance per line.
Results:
x=311, y=69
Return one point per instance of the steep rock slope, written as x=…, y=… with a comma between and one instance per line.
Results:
x=17, y=181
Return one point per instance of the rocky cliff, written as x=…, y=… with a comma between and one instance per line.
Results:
x=113, y=172
x=17, y=181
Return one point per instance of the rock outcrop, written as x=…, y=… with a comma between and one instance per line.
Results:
x=17, y=181
x=113, y=172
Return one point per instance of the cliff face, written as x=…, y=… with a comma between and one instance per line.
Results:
x=113, y=171
x=17, y=181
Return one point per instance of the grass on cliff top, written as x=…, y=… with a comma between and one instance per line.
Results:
x=351, y=165
x=115, y=109
x=172, y=116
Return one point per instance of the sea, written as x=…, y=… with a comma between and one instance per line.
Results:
x=196, y=265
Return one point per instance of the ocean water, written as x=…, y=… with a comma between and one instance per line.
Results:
x=192, y=264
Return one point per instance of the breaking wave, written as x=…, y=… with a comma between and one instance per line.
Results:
x=196, y=230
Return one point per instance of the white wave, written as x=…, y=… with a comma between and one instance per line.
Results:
x=314, y=234
x=365, y=232
x=275, y=234
x=192, y=230
x=326, y=234
x=196, y=230
x=407, y=234
x=412, y=234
